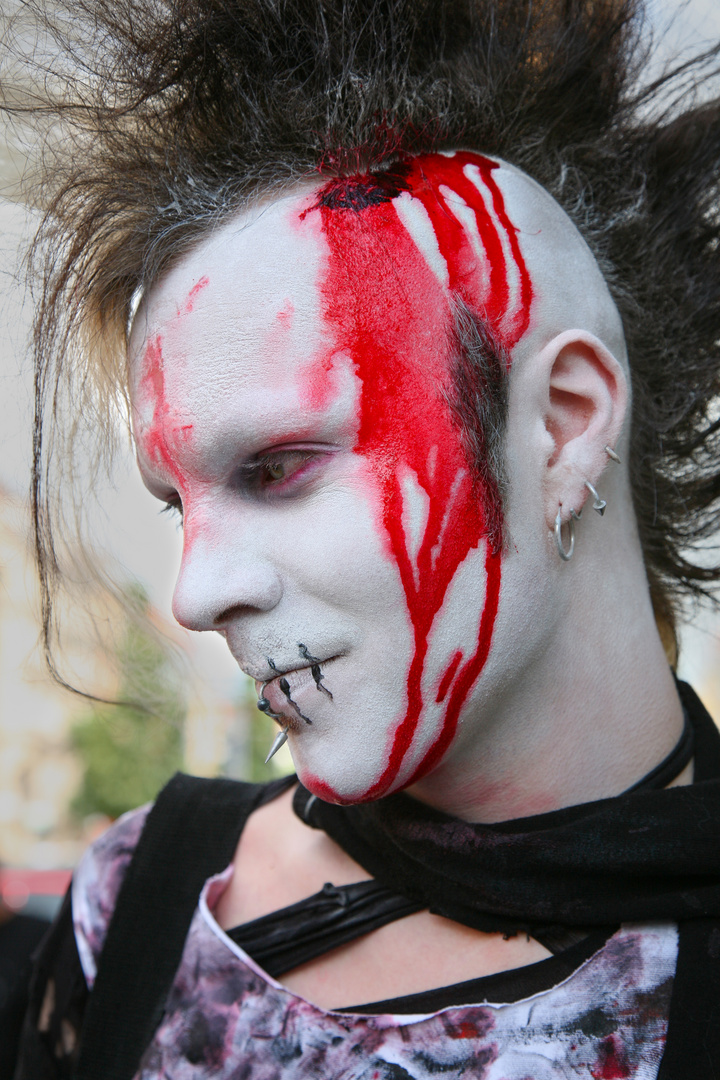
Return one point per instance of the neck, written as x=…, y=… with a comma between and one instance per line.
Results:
x=594, y=709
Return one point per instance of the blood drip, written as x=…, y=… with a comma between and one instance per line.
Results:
x=191, y=296
x=612, y=1063
x=155, y=438
x=389, y=308
x=164, y=434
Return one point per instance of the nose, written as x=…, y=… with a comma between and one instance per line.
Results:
x=221, y=577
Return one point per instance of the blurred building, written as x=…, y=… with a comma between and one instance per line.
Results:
x=40, y=771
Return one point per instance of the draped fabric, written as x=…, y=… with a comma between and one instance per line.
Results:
x=645, y=855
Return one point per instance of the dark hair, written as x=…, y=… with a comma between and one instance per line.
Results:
x=174, y=113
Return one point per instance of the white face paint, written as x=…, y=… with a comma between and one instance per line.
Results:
x=287, y=384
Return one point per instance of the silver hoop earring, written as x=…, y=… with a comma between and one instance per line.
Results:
x=599, y=504
x=566, y=556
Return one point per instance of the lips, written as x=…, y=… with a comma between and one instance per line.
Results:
x=301, y=685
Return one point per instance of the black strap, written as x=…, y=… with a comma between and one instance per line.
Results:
x=336, y=915
x=191, y=833
x=693, y=1039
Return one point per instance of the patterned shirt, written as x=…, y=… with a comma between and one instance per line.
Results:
x=227, y=1019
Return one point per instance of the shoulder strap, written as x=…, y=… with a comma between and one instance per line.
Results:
x=191, y=833
x=693, y=1037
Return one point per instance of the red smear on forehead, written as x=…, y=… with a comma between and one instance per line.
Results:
x=192, y=295
x=156, y=443
x=166, y=431
x=389, y=311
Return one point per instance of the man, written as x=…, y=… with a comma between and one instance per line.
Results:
x=386, y=402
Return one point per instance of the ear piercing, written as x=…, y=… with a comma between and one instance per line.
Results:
x=599, y=504
x=565, y=554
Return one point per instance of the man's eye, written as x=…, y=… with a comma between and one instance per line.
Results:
x=275, y=470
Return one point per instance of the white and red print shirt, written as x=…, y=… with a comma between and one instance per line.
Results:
x=226, y=1019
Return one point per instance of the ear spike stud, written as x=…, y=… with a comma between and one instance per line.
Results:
x=612, y=455
x=279, y=740
x=599, y=504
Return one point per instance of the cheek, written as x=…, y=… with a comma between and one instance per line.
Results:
x=429, y=512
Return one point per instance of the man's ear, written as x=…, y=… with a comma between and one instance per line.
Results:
x=585, y=406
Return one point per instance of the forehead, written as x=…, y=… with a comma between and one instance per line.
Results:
x=283, y=282
x=254, y=280
x=264, y=289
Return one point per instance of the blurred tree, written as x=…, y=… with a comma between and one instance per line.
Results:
x=131, y=749
x=250, y=740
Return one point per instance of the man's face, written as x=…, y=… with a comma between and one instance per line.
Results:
x=290, y=382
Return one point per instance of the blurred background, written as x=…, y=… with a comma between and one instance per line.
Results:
x=67, y=766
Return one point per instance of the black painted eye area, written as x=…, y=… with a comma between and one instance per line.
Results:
x=276, y=471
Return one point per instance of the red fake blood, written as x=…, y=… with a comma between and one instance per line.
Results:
x=612, y=1061
x=155, y=438
x=448, y=676
x=162, y=437
x=198, y=287
x=465, y=1030
x=387, y=306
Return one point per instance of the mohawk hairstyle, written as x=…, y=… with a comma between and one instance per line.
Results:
x=175, y=113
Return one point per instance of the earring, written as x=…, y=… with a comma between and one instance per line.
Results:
x=566, y=556
x=599, y=504
x=612, y=455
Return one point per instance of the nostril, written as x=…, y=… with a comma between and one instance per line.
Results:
x=228, y=615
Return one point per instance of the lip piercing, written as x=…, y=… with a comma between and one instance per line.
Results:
x=264, y=705
x=315, y=670
x=599, y=504
x=279, y=740
x=612, y=455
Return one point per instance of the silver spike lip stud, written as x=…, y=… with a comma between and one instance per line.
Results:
x=279, y=740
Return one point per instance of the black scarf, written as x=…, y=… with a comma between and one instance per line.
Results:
x=642, y=856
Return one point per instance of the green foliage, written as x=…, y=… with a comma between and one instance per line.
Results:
x=129, y=750
x=247, y=755
x=262, y=732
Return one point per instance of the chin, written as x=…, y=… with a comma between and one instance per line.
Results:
x=343, y=786
x=325, y=791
